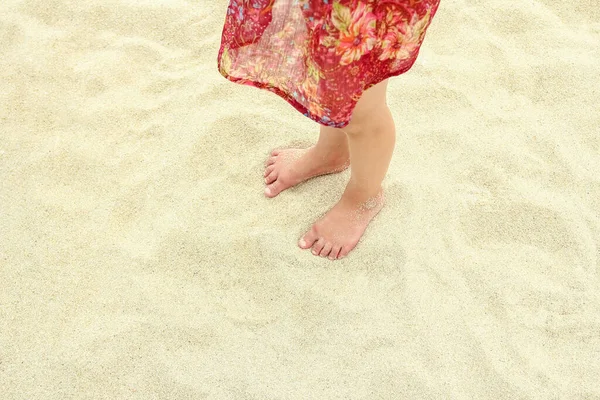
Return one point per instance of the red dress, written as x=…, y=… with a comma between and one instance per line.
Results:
x=320, y=55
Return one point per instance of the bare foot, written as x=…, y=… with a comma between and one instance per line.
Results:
x=288, y=167
x=338, y=232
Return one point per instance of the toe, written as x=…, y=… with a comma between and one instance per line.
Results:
x=273, y=189
x=308, y=240
x=268, y=170
x=326, y=250
x=271, y=160
x=334, y=252
x=275, y=152
x=318, y=246
x=271, y=177
x=343, y=252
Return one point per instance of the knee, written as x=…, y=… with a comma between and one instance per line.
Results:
x=353, y=128
x=361, y=119
x=367, y=120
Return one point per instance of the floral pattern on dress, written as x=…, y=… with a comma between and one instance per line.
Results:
x=321, y=55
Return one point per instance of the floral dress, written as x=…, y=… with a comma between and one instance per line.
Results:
x=321, y=55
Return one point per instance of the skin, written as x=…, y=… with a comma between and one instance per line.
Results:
x=366, y=144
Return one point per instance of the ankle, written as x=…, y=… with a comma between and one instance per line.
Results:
x=363, y=193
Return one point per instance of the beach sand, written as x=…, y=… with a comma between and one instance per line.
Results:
x=139, y=258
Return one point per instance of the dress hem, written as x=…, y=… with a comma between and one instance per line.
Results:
x=297, y=105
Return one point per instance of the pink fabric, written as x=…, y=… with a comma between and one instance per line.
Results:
x=320, y=55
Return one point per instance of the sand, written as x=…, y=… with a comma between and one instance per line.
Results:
x=139, y=258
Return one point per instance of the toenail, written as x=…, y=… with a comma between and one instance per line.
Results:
x=302, y=243
x=268, y=191
x=314, y=252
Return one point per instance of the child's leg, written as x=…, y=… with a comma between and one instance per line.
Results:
x=332, y=141
x=288, y=167
x=371, y=138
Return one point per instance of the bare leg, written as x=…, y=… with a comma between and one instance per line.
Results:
x=288, y=167
x=371, y=139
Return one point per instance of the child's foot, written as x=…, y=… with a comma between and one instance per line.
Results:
x=288, y=167
x=338, y=232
